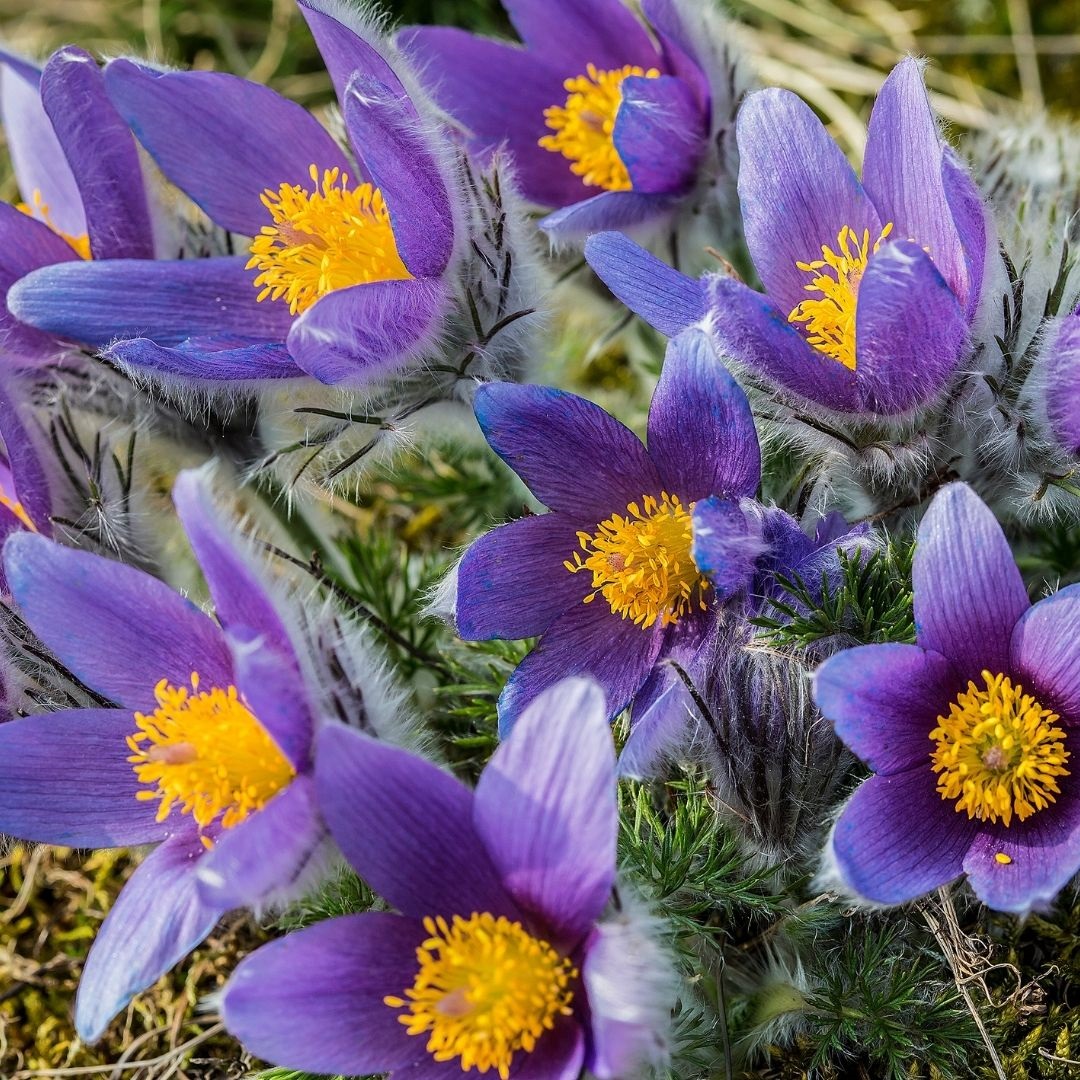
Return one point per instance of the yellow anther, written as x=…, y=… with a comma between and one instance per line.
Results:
x=37, y=208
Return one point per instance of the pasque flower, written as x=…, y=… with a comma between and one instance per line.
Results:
x=971, y=733
x=345, y=276
x=605, y=123
x=497, y=960
x=608, y=579
x=870, y=287
x=205, y=749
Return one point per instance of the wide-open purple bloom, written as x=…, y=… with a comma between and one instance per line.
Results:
x=972, y=733
x=345, y=279
x=206, y=751
x=79, y=177
x=604, y=123
x=525, y=864
x=608, y=579
x=870, y=287
x=1062, y=392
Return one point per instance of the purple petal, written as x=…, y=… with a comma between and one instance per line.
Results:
x=102, y=156
x=884, y=700
x=797, y=191
x=659, y=725
x=969, y=594
x=609, y=210
x=98, y=302
x=398, y=160
x=664, y=298
x=559, y=1055
x=313, y=1000
x=974, y=227
x=221, y=139
x=588, y=640
x=157, y=919
x=1044, y=651
x=116, y=628
x=365, y=332
x=573, y=455
x=1063, y=383
x=406, y=827
x=910, y=331
x=29, y=482
x=701, y=429
x=677, y=45
x=204, y=361
x=512, y=583
x=545, y=808
x=727, y=544
x=897, y=839
x=902, y=171
x=659, y=134
x=65, y=779
x=271, y=852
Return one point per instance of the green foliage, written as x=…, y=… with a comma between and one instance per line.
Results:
x=342, y=894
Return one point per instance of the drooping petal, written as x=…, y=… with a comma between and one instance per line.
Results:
x=98, y=302
x=313, y=1000
x=969, y=594
x=205, y=361
x=701, y=429
x=65, y=779
x=727, y=544
x=659, y=134
x=157, y=919
x=221, y=139
x=884, y=700
x=1045, y=652
x=897, y=840
x=664, y=298
x=608, y=210
x=659, y=724
x=397, y=159
x=797, y=191
x=910, y=331
x=512, y=582
x=118, y=629
x=1063, y=383
x=406, y=826
x=101, y=154
x=365, y=332
x=574, y=456
x=546, y=809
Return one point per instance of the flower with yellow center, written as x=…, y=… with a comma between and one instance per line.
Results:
x=328, y=238
x=830, y=320
x=205, y=750
x=641, y=562
x=485, y=989
x=999, y=753
x=37, y=208
x=585, y=125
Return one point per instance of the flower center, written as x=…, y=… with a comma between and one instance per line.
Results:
x=485, y=989
x=641, y=563
x=37, y=208
x=998, y=752
x=830, y=321
x=584, y=125
x=321, y=240
x=206, y=751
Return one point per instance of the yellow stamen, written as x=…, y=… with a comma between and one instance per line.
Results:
x=584, y=126
x=1003, y=859
x=998, y=752
x=485, y=989
x=17, y=509
x=642, y=564
x=206, y=751
x=37, y=208
x=830, y=321
x=321, y=240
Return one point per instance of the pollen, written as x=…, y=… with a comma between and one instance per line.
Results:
x=38, y=208
x=641, y=562
x=830, y=317
x=584, y=126
x=999, y=753
x=485, y=989
x=328, y=238
x=204, y=751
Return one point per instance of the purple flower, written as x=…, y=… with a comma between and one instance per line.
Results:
x=1062, y=394
x=608, y=579
x=521, y=869
x=78, y=173
x=870, y=288
x=604, y=123
x=207, y=751
x=26, y=497
x=971, y=734
x=345, y=278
